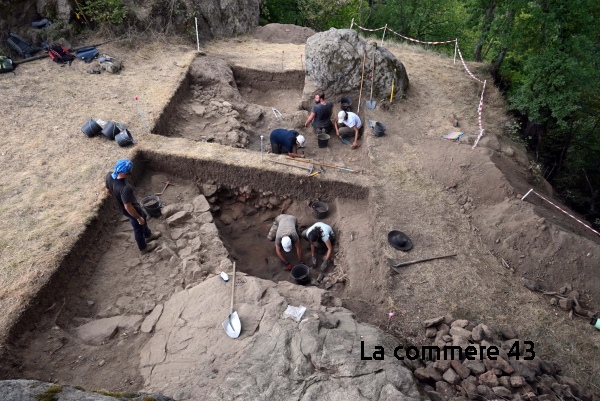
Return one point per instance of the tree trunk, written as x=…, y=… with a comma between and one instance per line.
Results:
x=498, y=62
x=487, y=24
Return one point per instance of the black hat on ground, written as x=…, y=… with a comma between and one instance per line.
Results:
x=399, y=240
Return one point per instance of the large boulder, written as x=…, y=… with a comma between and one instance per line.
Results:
x=334, y=60
x=190, y=357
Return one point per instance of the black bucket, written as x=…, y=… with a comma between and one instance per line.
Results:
x=301, y=274
x=91, y=128
x=110, y=130
x=152, y=205
x=124, y=138
x=322, y=139
x=346, y=103
x=319, y=209
x=379, y=129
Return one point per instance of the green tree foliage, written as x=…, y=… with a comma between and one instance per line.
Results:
x=112, y=11
x=546, y=54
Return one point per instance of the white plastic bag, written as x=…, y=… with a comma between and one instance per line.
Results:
x=295, y=312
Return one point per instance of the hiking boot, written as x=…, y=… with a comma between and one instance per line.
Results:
x=154, y=236
x=149, y=248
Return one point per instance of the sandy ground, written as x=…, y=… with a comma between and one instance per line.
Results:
x=447, y=197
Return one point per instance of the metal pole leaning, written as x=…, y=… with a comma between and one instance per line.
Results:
x=383, y=37
x=525, y=196
x=352, y=23
x=455, y=47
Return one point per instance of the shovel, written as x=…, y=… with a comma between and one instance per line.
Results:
x=232, y=324
x=371, y=103
x=402, y=264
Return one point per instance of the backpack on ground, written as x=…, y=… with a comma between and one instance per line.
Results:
x=60, y=54
x=21, y=46
x=111, y=64
x=87, y=54
x=6, y=64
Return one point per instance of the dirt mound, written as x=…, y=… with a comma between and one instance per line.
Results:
x=283, y=33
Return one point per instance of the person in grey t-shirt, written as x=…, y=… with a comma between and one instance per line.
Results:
x=284, y=232
x=321, y=114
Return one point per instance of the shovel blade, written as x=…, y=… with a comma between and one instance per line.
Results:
x=232, y=325
x=371, y=104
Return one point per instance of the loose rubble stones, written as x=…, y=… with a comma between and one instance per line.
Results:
x=503, y=374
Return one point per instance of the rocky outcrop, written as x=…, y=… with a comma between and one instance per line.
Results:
x=33, y=390
x=190, y=356
x=216, y=19
x=334, y=60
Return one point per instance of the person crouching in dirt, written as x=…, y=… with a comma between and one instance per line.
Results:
x=320, y=115
x=284, y=232
x=320, y=235
x=283, y=140
x=119, y=188
x=348, y=124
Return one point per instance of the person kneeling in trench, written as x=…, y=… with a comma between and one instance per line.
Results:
x=283, y=140
x=320, y=235
x=347, y=125
x=119, y=188
x=284, y=231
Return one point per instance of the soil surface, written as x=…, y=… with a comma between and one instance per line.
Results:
x=446, y=196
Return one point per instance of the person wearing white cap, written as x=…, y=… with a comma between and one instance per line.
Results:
x=348, y=124
x=284, y=231
x=283, y=140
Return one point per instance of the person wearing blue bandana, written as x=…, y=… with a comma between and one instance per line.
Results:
x=117, y=186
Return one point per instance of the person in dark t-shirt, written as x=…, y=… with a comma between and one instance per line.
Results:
x=321, y=114
x=119, y=188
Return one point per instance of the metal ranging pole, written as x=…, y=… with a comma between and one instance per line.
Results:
x=261, y=148
x=197, y=37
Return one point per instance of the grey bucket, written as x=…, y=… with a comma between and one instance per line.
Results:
x=301, y=274
x=379, y=129
x=322, y=140
x=110, y=130
x=152, y=205
x=346, y=103
x=124, y=138
x=91, y=128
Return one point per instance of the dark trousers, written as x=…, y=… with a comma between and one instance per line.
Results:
x=277, y=148
x=140, y=232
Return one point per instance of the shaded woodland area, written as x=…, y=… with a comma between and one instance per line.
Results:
x=544, y=55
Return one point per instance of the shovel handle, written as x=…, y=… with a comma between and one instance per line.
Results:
x=233, y=288
x=424, y=260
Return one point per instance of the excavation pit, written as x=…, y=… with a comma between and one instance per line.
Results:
x=231, y=105
x=92, y=322
x=279, y=90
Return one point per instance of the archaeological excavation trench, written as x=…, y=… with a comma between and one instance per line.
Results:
x=91, y=322
x=233, y=106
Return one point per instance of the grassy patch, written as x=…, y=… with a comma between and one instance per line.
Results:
x=50, y=394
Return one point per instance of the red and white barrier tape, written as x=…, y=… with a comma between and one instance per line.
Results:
x=479, y=115
x=570, y=215
x=465, y=65
x=420, y=41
